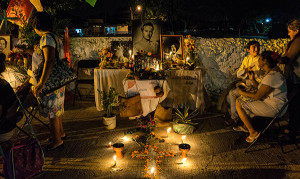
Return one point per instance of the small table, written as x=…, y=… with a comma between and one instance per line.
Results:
x=106, y=78
x=146, y=90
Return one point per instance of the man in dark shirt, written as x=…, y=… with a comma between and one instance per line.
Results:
x=7, y=100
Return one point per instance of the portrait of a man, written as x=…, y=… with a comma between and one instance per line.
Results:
x=145, y=36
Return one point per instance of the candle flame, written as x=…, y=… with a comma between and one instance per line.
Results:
x=125, y=138
x=115, y=157
x=109, y=143
x=184, y=160
x=130, y=52
x=183, y=137
x=169, y=129
x=152, y=170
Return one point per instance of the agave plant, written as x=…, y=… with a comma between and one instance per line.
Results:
x=183, y=116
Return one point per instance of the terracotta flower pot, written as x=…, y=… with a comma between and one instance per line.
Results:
x=184, y=149
x=118, y=147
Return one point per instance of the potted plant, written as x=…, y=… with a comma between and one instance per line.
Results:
x=108, y=99
x=182, y=121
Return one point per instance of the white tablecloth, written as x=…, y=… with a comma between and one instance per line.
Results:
x=106, y=78
x=146, y=90
x=12, y=76
x=186, y=87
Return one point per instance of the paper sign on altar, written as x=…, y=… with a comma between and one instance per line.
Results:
x=144, y=87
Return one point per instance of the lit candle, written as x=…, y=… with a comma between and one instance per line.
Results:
x=184, y=160
x=130, y=52
x=183, y=137
x=168, y=131
x=109, y=145
x=152, y=172
x=115, y=159
x=187, y=59
x=125, y=139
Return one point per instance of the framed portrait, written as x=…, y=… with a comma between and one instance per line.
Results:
x=121, y=49
x=171, y=48
x=5, y=44
x=146, y=36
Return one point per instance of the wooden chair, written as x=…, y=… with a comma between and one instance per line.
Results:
x=84, y=64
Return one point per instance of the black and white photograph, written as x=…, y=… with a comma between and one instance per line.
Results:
x=5, y=44
x=145, y=36
x=121, y=49
x=171, y=48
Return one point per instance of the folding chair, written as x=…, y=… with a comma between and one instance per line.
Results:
x=31, y=113
x=84, y=64
x=277, y=116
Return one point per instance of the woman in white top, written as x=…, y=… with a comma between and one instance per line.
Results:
x=269, y=98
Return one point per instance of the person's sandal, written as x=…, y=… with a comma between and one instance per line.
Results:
x=240, y=129
x=251, y=139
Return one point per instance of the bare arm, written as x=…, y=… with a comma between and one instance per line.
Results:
x=49, y=55
x=293, y=51
x=263, y=91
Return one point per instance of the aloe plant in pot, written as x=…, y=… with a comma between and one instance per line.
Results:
x=182, y=121
x=108, y=99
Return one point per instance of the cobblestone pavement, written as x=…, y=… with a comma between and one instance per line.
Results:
x=216, y=151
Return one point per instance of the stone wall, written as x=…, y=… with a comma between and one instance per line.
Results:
x=219, y=58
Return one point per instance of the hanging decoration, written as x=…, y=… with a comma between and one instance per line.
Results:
x=91, y=2
x=20, y=9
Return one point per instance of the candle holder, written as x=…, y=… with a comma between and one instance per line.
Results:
x=118, y=147
x=184, y=149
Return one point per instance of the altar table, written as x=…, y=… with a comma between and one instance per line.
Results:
x=186, y=88
x=106, y=78
x=146, y=90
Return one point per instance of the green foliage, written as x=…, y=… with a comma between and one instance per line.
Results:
x=183, y=116
x=20, y=73
x=28, y=35
x=153, y=9
x=108, y=99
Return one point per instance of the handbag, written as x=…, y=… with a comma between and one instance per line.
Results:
x=61, y=75
x=163, y=116
x=26, y=159
x=130, y=107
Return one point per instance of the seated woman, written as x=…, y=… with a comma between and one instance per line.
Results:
x=269, y=98
x=7, y=100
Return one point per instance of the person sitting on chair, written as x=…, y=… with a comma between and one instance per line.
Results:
x=250, y=63
x=7, y=100
x=268, y=100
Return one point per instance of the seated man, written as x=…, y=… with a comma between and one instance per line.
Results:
x=269, y=98
x=7, y=100
x=250, y=63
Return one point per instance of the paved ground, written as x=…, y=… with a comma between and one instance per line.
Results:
x=216, y=152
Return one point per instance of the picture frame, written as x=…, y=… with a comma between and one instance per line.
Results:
x=5, y=44
x=121, y=49
x=146, y=36
x=172, y=50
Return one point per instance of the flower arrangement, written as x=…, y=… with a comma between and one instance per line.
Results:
x=108, y=59
x=145, y=60
x=146, y=74
x=146, y=123
x=144, y=155
x=189, y=48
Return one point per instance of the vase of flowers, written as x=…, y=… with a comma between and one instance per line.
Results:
x=190, y=51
